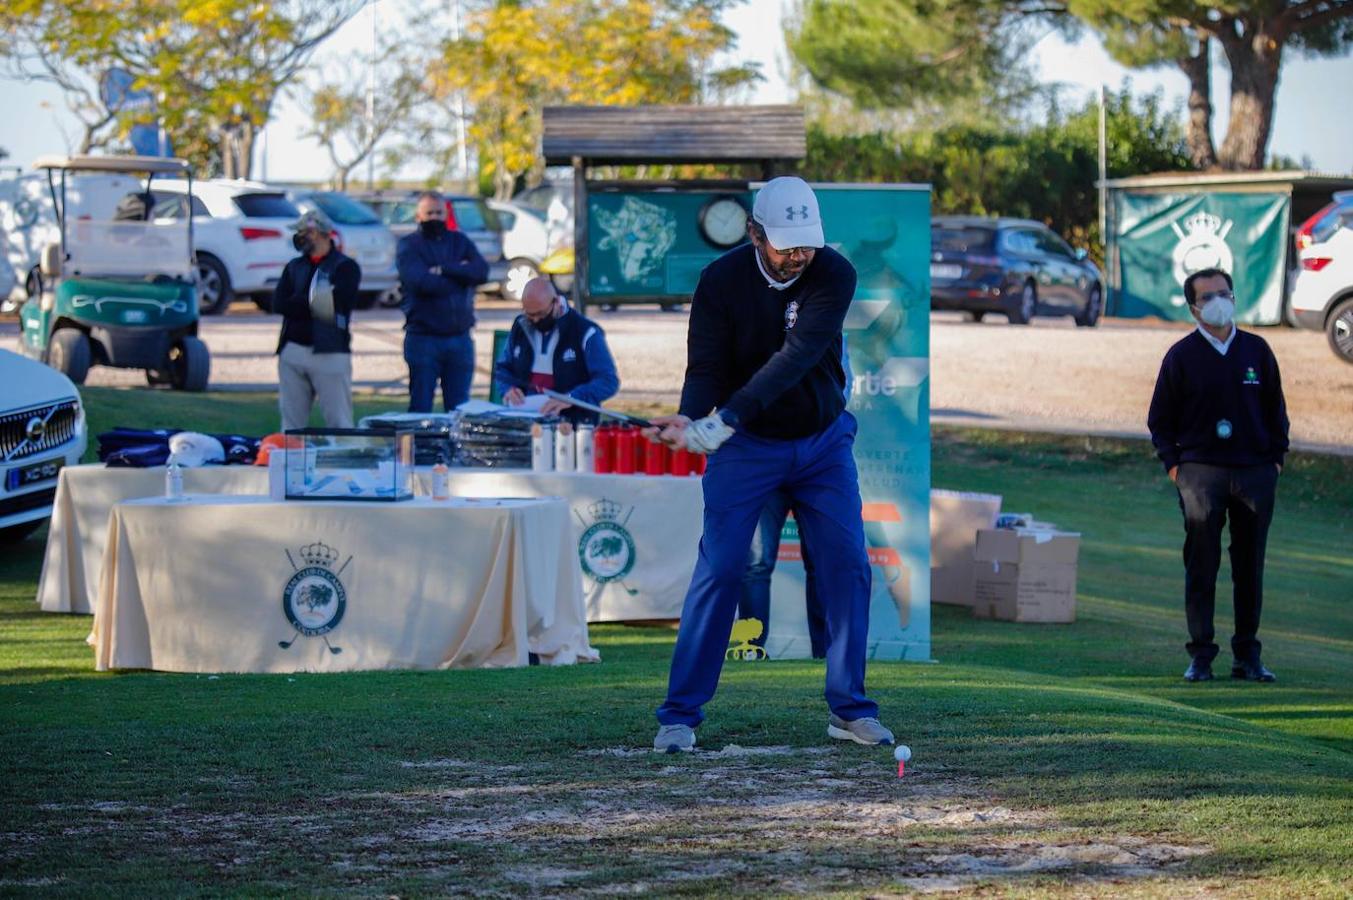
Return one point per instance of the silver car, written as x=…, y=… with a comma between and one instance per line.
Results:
x=467, y=214
x=361, y=235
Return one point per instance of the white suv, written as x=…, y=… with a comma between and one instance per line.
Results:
x=242, y=235
x=42, y=428
x=1322, y=292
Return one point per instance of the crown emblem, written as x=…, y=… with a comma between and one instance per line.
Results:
x=605, y=511
x=319, y=554
x=1202, y=223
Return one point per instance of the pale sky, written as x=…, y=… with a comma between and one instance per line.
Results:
x=1306, y=125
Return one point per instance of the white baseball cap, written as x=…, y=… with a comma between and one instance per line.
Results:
x=192, y=449
x=786, y=208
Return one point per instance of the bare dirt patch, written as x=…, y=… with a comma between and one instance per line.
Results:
x=734, y=820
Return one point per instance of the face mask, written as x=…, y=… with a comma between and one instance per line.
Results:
x=1218, y=312
x=302, y=243
x=546, y=325
x=432, y=228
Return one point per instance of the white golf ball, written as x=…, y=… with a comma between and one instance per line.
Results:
x=902, y=753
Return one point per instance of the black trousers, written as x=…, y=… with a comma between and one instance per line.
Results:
x=1209, y=495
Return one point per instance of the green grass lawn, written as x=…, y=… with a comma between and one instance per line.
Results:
x=1063, y=760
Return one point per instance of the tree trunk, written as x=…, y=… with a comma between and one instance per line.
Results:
x=1255, y=58
x=1197, y=68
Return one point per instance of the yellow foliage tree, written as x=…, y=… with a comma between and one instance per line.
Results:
x=215, y=66
x=517, y=58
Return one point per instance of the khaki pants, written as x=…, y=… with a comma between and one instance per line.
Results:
x=304, y=375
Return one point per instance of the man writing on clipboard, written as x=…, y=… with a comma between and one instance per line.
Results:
x=553, y=348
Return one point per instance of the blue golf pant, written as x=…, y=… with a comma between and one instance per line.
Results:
x=818, y=475
x=755, y=602
x=433, y=358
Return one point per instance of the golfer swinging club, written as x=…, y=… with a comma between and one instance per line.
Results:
x=764, y=398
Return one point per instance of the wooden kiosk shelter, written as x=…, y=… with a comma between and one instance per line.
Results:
x=770, y=137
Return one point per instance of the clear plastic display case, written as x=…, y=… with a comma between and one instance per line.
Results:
x=349, y=464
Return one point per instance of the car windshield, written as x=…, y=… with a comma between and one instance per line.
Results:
x=344, y=210
x=962, y=239
x=267, y=206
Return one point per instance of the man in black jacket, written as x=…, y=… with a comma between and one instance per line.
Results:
x=1219, y=425
x=438, y=270
x=552, y=346
x=765, y=396
x=315, y=297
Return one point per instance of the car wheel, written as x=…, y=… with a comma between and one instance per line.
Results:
x=1089, y=316
x=1026, y=305
x=69, y=353
x=392, y=298
x=519, y=271
x=213, y=286
x=974, y=315
x=672, y=307
x=189, y=365
x=15, y=533
x=367, y=299
x=1339, y=329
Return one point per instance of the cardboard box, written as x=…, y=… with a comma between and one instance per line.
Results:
x=955, y=519
x=1025, y=575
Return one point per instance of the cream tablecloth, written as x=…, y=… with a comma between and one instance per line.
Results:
x=636, y=535
x=244, y=584
x=78, y=531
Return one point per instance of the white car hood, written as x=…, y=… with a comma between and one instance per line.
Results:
x=29, y=383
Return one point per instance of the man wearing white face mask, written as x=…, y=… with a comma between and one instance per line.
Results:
x=1219, y=425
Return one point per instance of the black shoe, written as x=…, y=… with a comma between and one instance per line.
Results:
x=1199, y=670
x=1251, y=670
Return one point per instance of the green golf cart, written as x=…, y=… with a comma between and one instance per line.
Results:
x=119, y=287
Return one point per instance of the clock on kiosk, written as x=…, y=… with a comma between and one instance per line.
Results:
x=723, y=221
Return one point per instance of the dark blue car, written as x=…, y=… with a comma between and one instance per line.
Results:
x=1015, y=267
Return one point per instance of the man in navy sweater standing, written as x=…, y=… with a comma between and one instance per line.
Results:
x=438, y=270
x=764, y=396
x=1219, y=424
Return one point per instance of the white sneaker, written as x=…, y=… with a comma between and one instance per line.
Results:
x=674, y=739
x=861, y=731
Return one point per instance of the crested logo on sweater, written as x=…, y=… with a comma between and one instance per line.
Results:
x=1251, y=377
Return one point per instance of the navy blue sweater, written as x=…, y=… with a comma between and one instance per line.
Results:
x=439, y=302
x=777, y=370
x=1198, y=389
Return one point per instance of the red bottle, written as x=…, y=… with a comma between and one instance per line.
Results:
x=656, y=457
x=680, y=462
x=624, y=446
x=603, y=449
x=701, y=461
x=641, y=446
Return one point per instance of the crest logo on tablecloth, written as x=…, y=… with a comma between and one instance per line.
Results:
x=606, y=548
x=315, y=599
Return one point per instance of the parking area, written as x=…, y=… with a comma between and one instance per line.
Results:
x=1050, y=376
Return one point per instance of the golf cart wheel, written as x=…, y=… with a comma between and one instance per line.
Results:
x=1025, y=305
x=974, y=315
x=1339, y=330
x=1094, y=304
x=69, y=353
x=213, y=286
x=367, y=299
x=189, y=365
x=519, y=272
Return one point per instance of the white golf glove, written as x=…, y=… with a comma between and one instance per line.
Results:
x=707, y=435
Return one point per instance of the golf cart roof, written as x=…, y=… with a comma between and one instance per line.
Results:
x=153, y=164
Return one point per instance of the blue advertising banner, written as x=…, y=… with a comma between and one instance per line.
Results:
x=884, y=230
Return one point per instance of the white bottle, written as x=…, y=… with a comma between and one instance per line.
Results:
x=565, y=449
x=173, y=481
x=441, y=481
x=586, y=450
